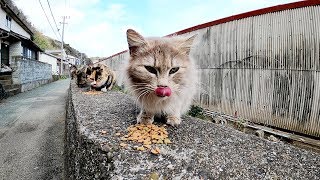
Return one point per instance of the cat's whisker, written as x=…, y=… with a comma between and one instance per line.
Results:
x=132, y=90
x=141, y=95
x=139, y=84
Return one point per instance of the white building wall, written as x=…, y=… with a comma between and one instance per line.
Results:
x=15, y=27
x=50, y=60
x=3, y=20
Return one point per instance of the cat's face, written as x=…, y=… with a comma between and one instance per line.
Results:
x=157, y=67
x=82, y=76
x=98, y=76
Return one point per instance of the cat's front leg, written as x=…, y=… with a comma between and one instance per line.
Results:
x=173, y=120
x=145, y=117
x=104, y=89
x=110, y=87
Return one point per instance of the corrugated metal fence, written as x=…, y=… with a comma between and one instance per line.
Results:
x=264, y=68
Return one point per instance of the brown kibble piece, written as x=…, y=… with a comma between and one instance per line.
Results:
x=123, y=139
x=123, y=144
x=167, y=141
x=147, y=142
x=140, y=148
x=155, y=151
x=92, y=92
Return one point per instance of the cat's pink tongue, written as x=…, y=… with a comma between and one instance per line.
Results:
x=163, y=91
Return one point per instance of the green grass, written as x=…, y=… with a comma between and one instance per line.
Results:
x=58, y=77
x=196, y=111
x=118, y=88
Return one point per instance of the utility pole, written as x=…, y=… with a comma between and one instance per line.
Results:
x=62, y=50
x=81, y=61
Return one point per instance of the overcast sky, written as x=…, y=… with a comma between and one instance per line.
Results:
x=97, y=27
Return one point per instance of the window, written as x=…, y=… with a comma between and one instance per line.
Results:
x=29, y=54
x=8, y=21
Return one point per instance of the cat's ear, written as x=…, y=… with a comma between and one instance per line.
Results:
x=186, y=44
x=135, y=41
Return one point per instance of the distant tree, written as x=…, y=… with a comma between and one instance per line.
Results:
x=42, y=41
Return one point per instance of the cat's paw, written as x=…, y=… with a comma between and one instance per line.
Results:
x=142, y=119
x=104, y=89
x=173, y=120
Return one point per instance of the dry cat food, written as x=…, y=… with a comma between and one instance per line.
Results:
x=146, y=135
x=93, y=92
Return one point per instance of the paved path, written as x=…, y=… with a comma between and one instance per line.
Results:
x=32, y=133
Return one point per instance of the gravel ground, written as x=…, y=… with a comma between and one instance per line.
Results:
x=200, y=149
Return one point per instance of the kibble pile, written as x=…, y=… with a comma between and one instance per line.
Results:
x=92, y=92
x=146, y=136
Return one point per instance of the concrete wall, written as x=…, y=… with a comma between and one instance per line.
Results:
x=264, y=67
x=200, y=149
x=50, y=60
x=15, y=49
x=117, y=63
x=30, y=74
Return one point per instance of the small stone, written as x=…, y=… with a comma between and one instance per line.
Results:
x=154, y=176
x=170, y=166
x=273, y=139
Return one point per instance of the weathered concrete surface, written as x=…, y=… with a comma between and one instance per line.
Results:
x=200, y=149
x=32, y=133
x=30, y=74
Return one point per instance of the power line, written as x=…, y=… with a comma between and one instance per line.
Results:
x=53, y=18
x=48, y=20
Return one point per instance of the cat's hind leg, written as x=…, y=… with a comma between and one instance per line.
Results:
x=145, y=117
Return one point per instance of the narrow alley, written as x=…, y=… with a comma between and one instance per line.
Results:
x=32, y=133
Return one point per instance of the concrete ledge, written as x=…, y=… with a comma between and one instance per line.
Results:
x=200, y=150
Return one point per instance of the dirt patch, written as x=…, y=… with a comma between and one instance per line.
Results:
x=2, y=134
x=26, y=127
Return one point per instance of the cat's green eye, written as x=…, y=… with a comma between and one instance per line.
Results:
x=151, y=69
x=173, y=70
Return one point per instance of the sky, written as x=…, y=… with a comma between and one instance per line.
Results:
x=98, y=27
